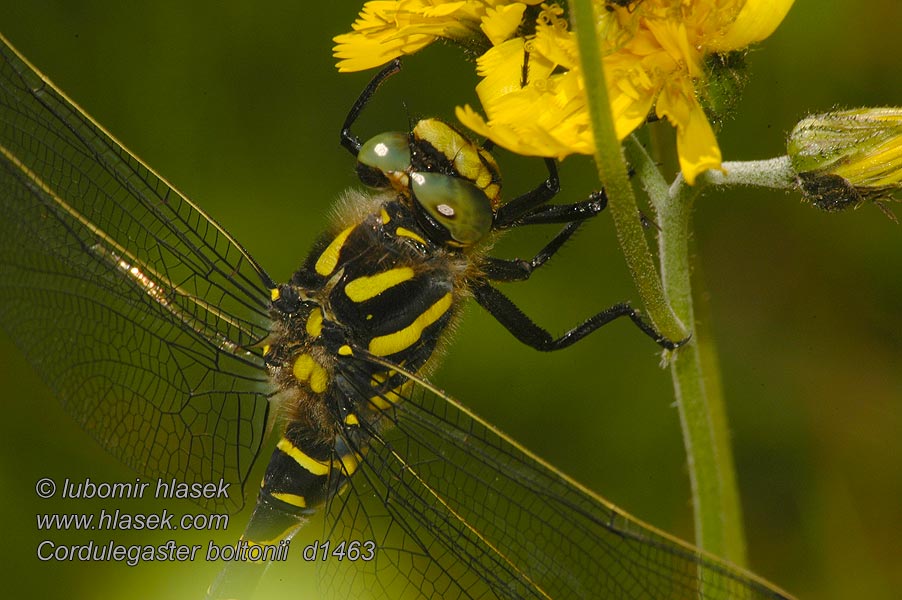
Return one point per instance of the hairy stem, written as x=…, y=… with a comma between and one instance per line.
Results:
x=718, y=521
x=613, y=175
x=775, y=173
x=718, y=514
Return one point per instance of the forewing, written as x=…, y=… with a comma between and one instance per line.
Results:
x=140, y=311
x=459, y=510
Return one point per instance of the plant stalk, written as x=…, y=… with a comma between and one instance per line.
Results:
x=717, y=509
x=613, y=176
x=718, y=522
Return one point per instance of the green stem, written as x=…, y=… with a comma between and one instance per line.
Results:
x=715, y=499
x=718, y=516
x=613, y=176
x=648, y=173
x=718, y=513
x=774, y=173
x=695, y=370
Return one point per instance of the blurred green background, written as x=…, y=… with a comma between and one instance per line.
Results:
x=239, y=106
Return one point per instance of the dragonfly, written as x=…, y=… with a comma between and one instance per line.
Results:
x=166, y=341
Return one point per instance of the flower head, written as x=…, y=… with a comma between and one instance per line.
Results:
x=655, y=54
x=655, y=58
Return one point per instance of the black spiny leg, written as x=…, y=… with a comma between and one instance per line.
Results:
x=566, y=213
x=530, y=208
x=508, y=314
x=498, y=269
x=350, y=141
x=510, y=213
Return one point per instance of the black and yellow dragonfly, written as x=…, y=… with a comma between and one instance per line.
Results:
x=173, y=348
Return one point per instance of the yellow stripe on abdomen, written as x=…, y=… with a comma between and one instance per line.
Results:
x=309, y=464
x=292, y=499
x=393, y=343
x=346, y=464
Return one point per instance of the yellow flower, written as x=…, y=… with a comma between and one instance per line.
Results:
x=654, y=54
x=388, y=29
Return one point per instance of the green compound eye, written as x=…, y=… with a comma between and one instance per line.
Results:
x=458, y=205
x=387, y=152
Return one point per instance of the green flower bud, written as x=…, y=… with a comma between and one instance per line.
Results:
x=845, y=157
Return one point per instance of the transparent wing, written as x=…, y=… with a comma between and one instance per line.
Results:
x=459, y=510
x=136, y=308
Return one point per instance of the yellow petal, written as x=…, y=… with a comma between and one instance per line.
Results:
x=629, y=106
x=472, y=119
x=501, y=23
x=358, y=52
x=504, y=135
x=501, y=68
x=387, y=29
x=696, y=143
x=756, y=21
x=529, y=137
x=554, y=41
